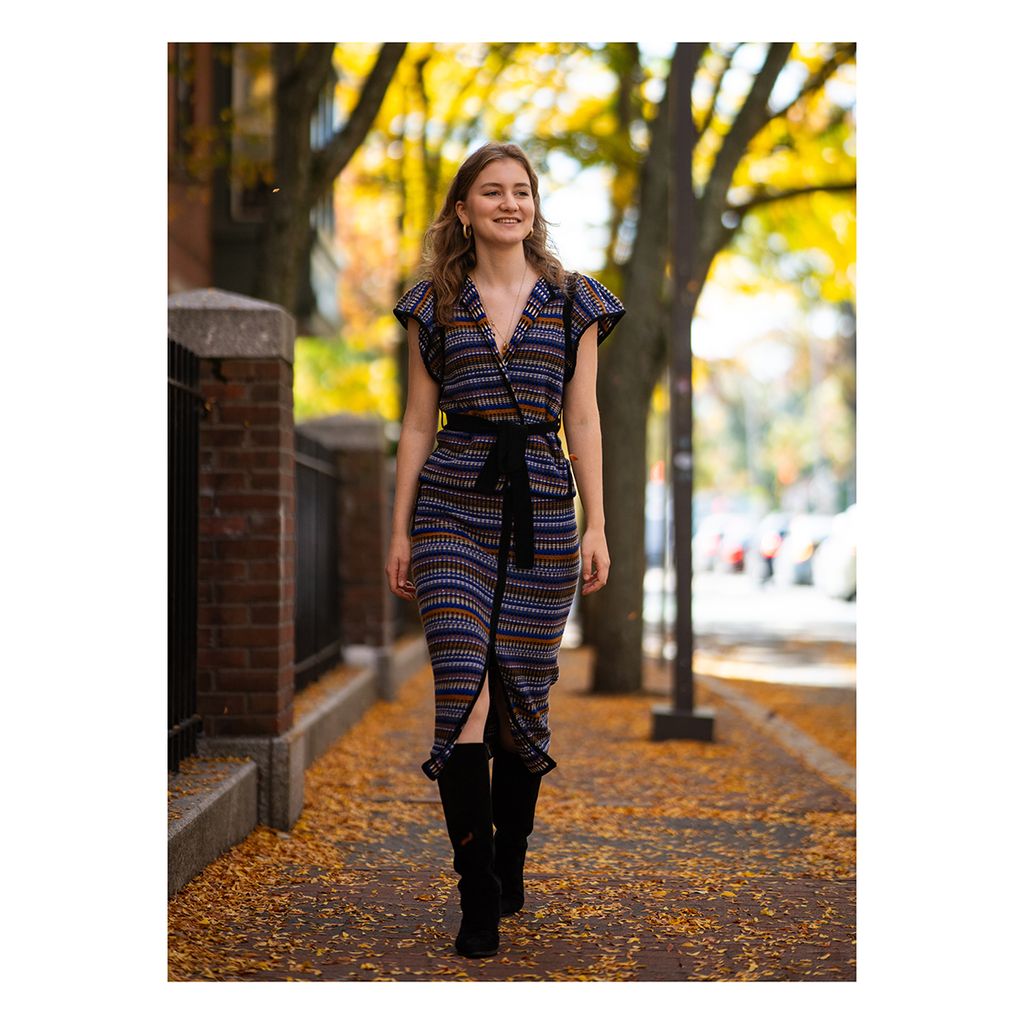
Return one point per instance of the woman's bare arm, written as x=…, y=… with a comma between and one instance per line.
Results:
x=583, y=434
x=583, y=428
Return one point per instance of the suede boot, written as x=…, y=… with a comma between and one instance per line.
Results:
x=514, y=792
x=465, y=789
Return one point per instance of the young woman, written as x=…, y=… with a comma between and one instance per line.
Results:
x=484, y=536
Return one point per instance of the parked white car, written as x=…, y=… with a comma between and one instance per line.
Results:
x=792, y=563
x=834, y=568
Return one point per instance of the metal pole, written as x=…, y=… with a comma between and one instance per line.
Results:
x=680, y=720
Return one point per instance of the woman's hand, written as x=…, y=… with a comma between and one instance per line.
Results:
x=596, y=561
x=397, y=568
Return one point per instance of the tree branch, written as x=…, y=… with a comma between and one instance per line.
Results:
x=841, y=55
x=771, y=197
x=722, y=234
x=315, y=67
x=303, y=68
x=753, y=116
x=645, y=274
x=714, y=96
x=625, y=65
x=331, y=161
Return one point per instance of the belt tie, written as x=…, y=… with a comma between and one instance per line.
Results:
x=508, y=456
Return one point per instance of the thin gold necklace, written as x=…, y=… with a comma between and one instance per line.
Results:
x=515, y=307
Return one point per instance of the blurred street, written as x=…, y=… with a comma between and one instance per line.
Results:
x=738, y=606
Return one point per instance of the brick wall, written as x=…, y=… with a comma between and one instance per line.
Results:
x=362, y=549
x=246, y=548
x=246, y=599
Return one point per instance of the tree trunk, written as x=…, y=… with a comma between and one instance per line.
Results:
x=636, y=358
x=302, y=176
x=628, y=371
x=286, y=236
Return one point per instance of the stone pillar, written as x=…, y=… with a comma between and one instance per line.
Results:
x=246, y=526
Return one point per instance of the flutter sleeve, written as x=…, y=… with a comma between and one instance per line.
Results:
x=591, y=302
x=418, y=304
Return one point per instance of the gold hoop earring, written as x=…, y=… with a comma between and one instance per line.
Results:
x=466, y=231
x=529, y=234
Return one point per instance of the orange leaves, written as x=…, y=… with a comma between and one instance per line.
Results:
x=669, y=861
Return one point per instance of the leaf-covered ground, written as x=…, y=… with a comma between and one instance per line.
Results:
x=650, y=861
x=827, y=714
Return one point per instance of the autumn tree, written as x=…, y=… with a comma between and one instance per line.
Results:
x=730, y=178
x=302, y=173
x=749, y=156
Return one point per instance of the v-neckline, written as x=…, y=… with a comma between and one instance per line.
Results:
x=484, y=321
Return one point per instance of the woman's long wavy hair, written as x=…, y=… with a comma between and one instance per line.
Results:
x=449, y=255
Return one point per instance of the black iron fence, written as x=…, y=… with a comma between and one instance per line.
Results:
x=317, y=601
x=184, y=408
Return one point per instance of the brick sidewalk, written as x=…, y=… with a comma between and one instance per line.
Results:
x=666, y=861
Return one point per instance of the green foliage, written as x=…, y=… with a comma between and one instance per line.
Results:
x=332, y=376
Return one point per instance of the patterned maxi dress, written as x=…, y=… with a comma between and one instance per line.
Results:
x=492, y=592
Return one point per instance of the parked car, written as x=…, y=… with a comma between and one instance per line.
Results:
x=737, y=537
x=768, y=535
x=792, y=562
x=706, y=540
x=834, y=566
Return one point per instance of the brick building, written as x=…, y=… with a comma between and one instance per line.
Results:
x=219, y=139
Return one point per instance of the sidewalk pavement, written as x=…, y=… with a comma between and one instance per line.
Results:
x=669, y=861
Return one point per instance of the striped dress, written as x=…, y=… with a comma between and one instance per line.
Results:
x=489, y=594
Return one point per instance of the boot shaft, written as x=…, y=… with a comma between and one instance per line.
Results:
x=514, y=791
x=465, y=790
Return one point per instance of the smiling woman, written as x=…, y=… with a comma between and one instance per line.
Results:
x=504, y=343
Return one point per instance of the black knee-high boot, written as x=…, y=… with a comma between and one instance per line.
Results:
x=514, y=792
x=465, y=789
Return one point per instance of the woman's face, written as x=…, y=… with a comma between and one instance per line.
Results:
x=499, y=205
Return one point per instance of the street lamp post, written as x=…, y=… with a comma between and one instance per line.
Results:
x=680, y=720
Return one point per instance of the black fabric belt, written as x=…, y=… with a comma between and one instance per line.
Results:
x=508, y=456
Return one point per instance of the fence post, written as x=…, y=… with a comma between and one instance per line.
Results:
x=246, y=630
x=184, y=410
